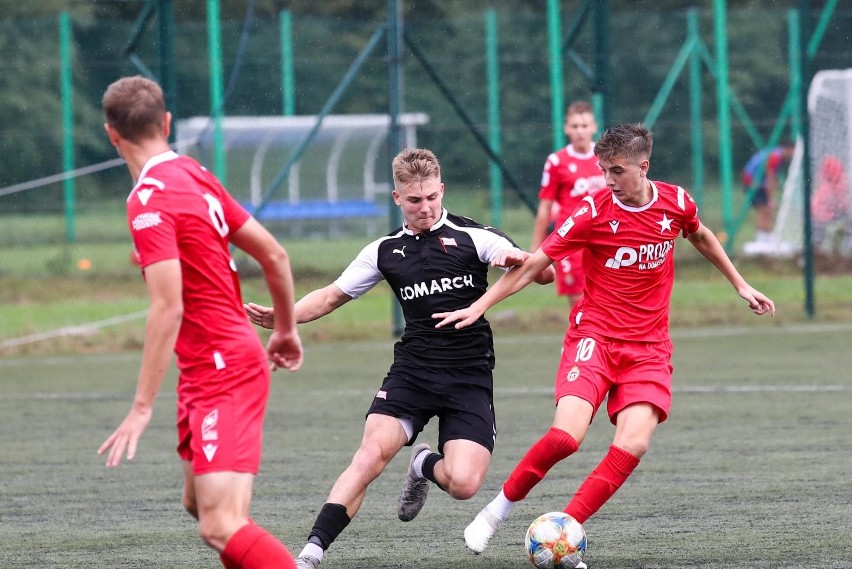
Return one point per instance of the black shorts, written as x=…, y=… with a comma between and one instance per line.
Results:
x=462, y=399
x=760, y=197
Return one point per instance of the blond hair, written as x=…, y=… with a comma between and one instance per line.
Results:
x=415, y=165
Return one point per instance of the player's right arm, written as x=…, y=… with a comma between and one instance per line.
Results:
x=164, y=283
x=312, y=306
x=511, y=282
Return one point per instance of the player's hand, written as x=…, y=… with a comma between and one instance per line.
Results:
x=126, y=436
x=462, y=318
x=263, y=316
x=284, y=351
x=757, y=301
x=509, y=258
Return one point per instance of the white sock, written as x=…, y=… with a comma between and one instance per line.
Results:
x=501, y=506
x=418, y=463
x=763, y=237
x=312, y=550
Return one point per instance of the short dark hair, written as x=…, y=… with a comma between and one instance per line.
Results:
x=625, y=141
x=135, y=107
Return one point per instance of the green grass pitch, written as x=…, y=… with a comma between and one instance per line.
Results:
x=750, y=471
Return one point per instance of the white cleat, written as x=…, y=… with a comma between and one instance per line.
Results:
x=480, y=531
x=307, y=562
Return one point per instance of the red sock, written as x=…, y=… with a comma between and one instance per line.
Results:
x=601, y=484
x=252, y=547
x=555, y=445
x=227, y=563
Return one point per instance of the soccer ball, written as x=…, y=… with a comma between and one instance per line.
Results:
x=556, y=541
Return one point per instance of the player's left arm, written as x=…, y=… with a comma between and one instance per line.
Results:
x=708, y=245
x=508, y=258
x=164, y=283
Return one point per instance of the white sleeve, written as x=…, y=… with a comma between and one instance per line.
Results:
x=488, y=243
x=363, y=273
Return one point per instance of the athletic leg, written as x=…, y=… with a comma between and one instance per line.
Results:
x=382, y=440
x=634, y=427
x=570, y=425
x=223, y=500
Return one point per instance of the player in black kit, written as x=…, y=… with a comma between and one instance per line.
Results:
x=435, y=262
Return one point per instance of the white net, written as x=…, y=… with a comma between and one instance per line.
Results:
x=830, y=112
x=341, y=179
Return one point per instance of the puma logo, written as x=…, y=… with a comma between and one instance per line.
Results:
x=400, y=251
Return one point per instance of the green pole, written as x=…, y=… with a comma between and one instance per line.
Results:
x=602, y=57
x=288, y=83
x=557, y=94
x=214, y=40
x=395, y=108
x=494, y=139
x=168, y=81
x=67, y=123
x=804, y=122
x=723, y=95
x=793, y=53
x=695, y=108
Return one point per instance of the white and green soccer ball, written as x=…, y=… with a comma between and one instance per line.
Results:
x=556, y=541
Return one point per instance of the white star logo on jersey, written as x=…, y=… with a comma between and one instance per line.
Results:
x=572, y=168
x=665, y=223
x=614, y=225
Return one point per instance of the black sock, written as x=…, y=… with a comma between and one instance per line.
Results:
x=429, y=468
x=331, y=520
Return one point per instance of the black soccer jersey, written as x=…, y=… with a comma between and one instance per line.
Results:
x=442, y=270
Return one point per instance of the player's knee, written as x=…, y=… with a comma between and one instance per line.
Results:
x=464, y=487
x=637, y=446
x=213, y=532
x=370, y=460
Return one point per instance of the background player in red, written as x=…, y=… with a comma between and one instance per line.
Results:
x=617, y=345
x=830, y=204
x=182, y=221
x=569, y=175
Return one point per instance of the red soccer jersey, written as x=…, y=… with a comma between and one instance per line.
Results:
x=567, y=178
x=179, y=210
x=628, y=255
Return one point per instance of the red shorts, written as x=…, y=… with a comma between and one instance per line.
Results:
x=223, y=430
x=570, y=276
x=623, y=372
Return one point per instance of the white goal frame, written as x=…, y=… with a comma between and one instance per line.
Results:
x=788, y=233
x=265, y=132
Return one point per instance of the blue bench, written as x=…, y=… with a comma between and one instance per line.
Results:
x=318, y=209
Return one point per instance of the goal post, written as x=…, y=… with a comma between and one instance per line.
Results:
x=343, y=174
x=830, y=114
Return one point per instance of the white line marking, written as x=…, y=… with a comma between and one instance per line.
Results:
x=79, y=330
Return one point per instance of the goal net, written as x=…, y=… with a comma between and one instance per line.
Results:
x=339, y=184
x=830, y=113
